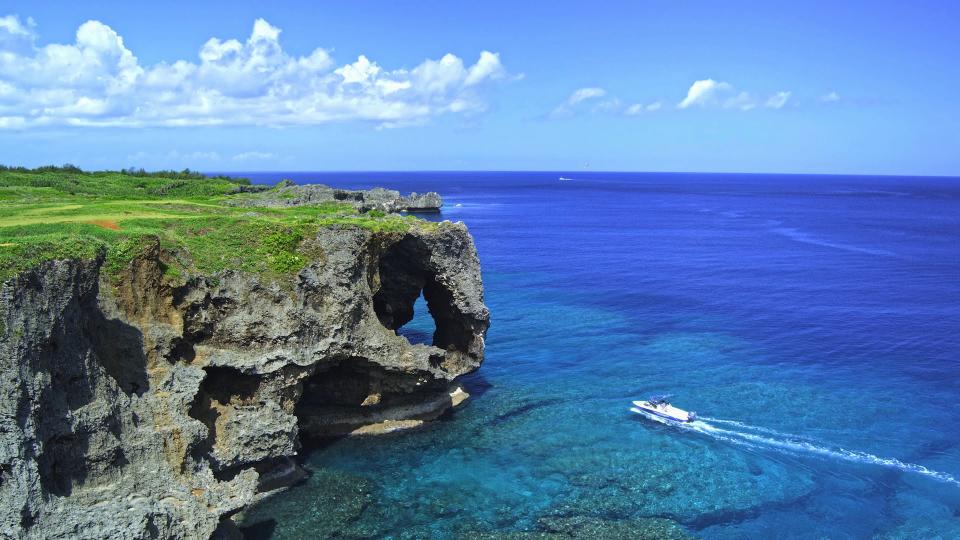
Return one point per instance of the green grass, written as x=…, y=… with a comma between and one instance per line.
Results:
x=64, y=213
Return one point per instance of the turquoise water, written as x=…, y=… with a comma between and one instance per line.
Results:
x=813, y=322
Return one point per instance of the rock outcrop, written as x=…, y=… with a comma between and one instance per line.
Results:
x=135, y=407
x=287, y=193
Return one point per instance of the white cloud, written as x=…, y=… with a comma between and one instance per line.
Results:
x=16, y=36
x=581, y=95
x=10, y=24
x=254, y=156
x=830, y=97
x=640, y=108
x=487, y=67
x=777, y=100
x=97, y=81
x=703, y=93
x=710, y=93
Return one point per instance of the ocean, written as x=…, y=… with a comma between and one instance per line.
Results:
x=812, y=321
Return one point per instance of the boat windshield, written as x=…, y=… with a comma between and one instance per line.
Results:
x=659, y=400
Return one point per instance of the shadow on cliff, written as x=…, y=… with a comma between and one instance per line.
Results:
x=83, y=347
x=119, y=349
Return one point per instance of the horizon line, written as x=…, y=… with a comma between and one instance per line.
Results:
x=560, y=171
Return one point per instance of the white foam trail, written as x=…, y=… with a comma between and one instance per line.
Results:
x=715, y=435
x=794, y=444
x=768, y=431
x=840, y=453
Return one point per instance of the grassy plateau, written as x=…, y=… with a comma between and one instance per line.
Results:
x=63, y=212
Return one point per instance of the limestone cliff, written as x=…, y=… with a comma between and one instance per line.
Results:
x=132, y=406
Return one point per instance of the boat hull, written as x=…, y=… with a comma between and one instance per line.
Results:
x=667, y=413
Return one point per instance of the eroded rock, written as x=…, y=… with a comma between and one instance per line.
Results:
x=134, y=408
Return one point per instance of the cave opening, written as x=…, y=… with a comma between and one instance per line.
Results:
x=421, y=327
x=413, y=302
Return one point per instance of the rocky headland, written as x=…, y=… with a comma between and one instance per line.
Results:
x=146, y=393
x=286, y=193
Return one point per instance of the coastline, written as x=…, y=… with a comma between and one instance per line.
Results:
x=142, y=357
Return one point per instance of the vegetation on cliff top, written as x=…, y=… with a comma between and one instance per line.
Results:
x=63, y=212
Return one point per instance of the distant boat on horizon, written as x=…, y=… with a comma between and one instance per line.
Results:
x=562, y=179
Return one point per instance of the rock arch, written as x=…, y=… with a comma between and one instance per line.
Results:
x=404, y=272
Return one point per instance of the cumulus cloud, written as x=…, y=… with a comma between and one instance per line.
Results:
x=710, y=93
x=98, y=81
x=703, y=93
x=487, y=67
x=15, y=37
x=12, y=26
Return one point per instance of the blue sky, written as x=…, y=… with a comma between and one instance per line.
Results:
x=803, y=87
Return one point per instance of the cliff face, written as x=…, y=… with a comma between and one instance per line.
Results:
x=133, y=407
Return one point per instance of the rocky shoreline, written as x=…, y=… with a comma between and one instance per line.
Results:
x=133, y=406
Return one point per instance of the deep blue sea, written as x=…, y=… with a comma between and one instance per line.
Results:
x=812, y=321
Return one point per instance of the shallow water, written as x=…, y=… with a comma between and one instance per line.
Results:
x=814, y=322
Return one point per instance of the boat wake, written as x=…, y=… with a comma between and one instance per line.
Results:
x=756, y=437
x=758, y=429
x=800, y=236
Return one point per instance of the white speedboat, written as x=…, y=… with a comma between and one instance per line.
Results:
x=660, y=407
